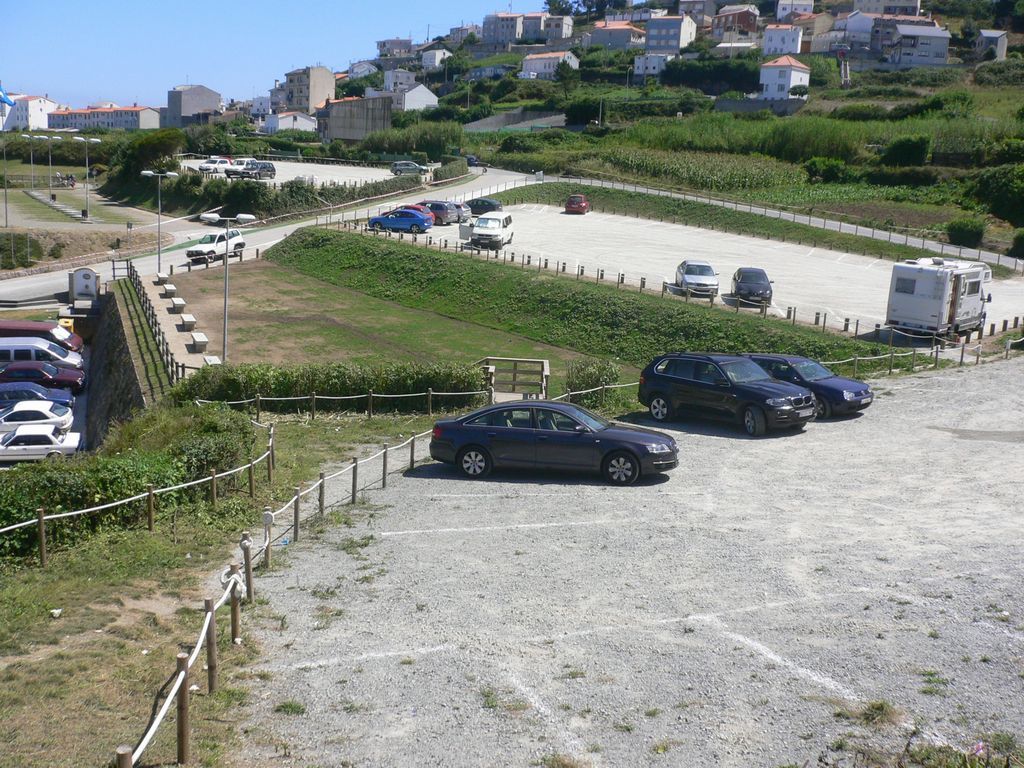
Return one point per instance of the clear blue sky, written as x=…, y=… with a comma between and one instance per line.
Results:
x=84, y=51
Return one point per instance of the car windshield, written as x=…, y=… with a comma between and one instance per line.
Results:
x=589, y=418
x=5, y=411
x=56, y=350
x=6, y=439
x=753, y=277
x=208, y=239
x=743, y=371
x=50, y=369
x=812, y=371
x=488, y=223
x=576, y=199
x=62, y=334
x=59, y=410
x=703, y=270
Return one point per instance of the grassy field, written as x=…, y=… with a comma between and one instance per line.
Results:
x=17, y=167
x=281, y=315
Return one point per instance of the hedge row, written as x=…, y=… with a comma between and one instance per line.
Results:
x=242, y=382
x=451, y=170
x=595, y=319
x=162, y=447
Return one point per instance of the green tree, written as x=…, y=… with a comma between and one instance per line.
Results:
x=559, y=7
x=567, y=76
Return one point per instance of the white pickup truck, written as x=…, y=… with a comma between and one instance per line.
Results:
x=211, y=247
x=238, y=165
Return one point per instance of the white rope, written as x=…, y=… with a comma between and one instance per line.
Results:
x=311, y=488
x=226, y=402
x=340, y=397
x=339, y=472
x=16, y=526
x=456, y=394
x=100, y=508
x=200, y=642
x=137, y=754
x=281, y=399
x=411, y=394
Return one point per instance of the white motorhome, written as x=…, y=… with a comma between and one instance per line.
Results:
x=491, y=230
x=938, y=296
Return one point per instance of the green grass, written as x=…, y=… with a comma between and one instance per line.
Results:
x=711, y=217
x=627, y=326
x=30, y=207
x=144, y=350
x=17, y=167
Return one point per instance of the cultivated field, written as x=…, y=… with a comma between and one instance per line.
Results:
x=771, y=602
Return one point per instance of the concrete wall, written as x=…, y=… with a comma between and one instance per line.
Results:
x=114, y=390
x=781, y=107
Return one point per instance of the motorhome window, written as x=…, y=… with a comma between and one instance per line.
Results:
x=973, y=288
x=905, y=285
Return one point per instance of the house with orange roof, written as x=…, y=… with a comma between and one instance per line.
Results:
x=543, y=66
x=782, y=75
x=29, y=113
x=112, y=116
x=615, y=35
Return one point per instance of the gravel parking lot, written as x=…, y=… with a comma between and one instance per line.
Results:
x=324, y=173
x=721, y=615
x=811, y=279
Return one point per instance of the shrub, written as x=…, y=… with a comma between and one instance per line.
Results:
x=1001, y=73
x=902, y=177
x=1002, y=190
x=801, y=139
x=588, y=374
x=1016, y=249
x=241, y=382
x=860, y=112
x=907, y=150
x=452, y=170
x=829, y=171
x=966, y=231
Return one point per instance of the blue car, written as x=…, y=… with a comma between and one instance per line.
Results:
x=540, y=434
x=17, y=391
x=402, y=220
x=834, y=394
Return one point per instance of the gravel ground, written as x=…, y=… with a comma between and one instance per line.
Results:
x=721, y=615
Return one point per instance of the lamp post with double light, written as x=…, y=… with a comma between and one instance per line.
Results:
x=31, y=157
x=160, y=176
x=87, y=142
x=213, y=218
x=49, y=160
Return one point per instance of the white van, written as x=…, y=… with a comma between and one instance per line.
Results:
x=491, y=230
x=938, y=296
x=16, y=349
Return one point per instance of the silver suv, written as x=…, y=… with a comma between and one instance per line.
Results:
x=401, y=167
x=697, y=277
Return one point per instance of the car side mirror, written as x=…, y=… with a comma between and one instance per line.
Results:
x=989, y=299
x=580, y=429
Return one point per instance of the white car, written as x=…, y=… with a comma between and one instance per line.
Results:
x=33, y=443
x=236, y=166
x=40, y=413
x=214, y=165
x=211, y=247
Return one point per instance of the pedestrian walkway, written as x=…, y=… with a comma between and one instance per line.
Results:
x=67, y=210
x=176, y=331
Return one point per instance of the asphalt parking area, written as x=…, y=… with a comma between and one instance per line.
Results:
x=324, y=173
x=839, y=285
x=721, y=615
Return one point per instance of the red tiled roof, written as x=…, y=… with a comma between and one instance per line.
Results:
x=787, y=61
x=96, y=110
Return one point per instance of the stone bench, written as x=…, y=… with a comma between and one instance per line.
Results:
x=178, y=306
x=161, y=278
x=188, y=322
x=170, y=290
x=199, y=342
x=211, y=360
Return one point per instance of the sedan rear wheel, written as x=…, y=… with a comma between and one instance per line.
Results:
x=621, y=468
x=474, y=462
x=415, y=229
x=660, y=408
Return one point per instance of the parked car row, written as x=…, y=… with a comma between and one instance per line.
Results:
x=758, y=391
x=39, y=377
x=421, y=216
x=239, y=167
x=750, y=285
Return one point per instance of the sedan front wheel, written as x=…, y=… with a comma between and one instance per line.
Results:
x=621, y=468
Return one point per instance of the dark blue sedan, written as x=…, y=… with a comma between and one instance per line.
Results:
x=402, y=220
x=17, y=391
x=540, y=434
x=834, y=394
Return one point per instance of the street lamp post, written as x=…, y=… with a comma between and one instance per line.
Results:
x=49, y=160
x=87, y=143
x=160, y=175
x=31, y=157
x=213, y=218
x=6, y=224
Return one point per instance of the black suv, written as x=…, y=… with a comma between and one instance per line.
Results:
x=258, y=169
x=724, y=387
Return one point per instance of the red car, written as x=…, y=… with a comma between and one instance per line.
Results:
x=418, y=208
x=44, y=374
x=577, y=204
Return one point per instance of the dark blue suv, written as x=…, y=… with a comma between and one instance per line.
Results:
x=729, y=387
x=834, y=394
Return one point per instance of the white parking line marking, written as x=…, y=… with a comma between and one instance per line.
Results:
x=336, y=660
x=568, y=739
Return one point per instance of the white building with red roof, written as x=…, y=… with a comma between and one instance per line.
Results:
x=29, y=113
x=542, y=66
x=110, y=116
x=781, y=75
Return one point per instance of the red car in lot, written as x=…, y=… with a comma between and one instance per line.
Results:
x=577, y=204
x=44, y=374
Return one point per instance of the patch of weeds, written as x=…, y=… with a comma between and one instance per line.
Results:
x=872, y=713
x=998, y=613
x=1002, y=742
x=965, y=659
x=290, y=708
x=652, y=712
x=352, y=708
x=230, y=697
x=322, y=592
x=353, y=546
x=623, y=727
x=421, y=607
x=595, y=749
x=984, y=659
x=688, y=630
x=935, y=683
x=561, y=761
x=517, y=705
x=933, y=634
x=490, y=697
x=839, y=744
x=565, y=707
x=663, y=746
x=367, y=578
x=326, y=616
x=406, y=660
x=574, y=673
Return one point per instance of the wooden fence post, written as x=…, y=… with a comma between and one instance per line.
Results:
x=124, y=756
x=355, y=481
x=150, y=509
x=412, y=453
x=213, y=488
x=41, y=527
x=211, y=645
x=937, y=348
x=246, y=545
x=236, y=606
x=369, y=405
x=321, y=500
x=430, y=401
x=295, y=513
x=183, y=724
x=268, y=533
x=259, y=407
x=312, y=406
x=252, y=480
x=384, y=474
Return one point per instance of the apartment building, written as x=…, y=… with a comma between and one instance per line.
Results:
x=668, y=34
x=29, y=113
x=133, y=118
x=303, y=90
x=185, y=102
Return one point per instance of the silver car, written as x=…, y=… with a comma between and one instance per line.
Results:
x=697, y=277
